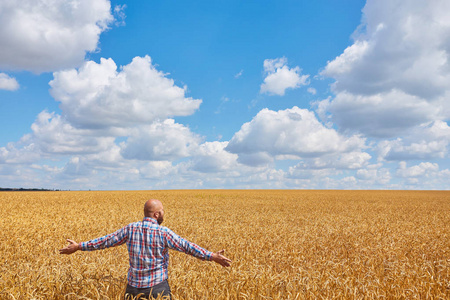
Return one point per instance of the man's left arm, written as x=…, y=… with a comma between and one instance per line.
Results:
x=178, y=243
x=71, y=248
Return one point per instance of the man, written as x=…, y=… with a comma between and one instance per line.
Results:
x=148, y=246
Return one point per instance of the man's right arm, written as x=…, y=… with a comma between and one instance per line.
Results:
x=111, y=240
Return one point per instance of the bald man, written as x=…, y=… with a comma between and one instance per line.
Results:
x=148, y=246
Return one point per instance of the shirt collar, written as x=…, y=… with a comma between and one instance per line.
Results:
x=151, y=220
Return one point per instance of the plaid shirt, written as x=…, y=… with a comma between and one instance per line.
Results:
x=148, y=247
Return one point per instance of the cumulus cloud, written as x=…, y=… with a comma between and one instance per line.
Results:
x=76, y=167
x=100, y=96
x=53, y=135
x=8, y=83
x=157, y=169
x=349, y=160
x=420, y=170
x=165, y=140
x=374, y=174
x=428, y=141
x=400, y=45
x=295, y=132
x=265, y=178
x=42, y=36
x=381, y=115
x=279, y=77
x=395, y=75
x=109, y=159
x=211, y=157
x=129, y=132
x=301, y=171
x=22, y=152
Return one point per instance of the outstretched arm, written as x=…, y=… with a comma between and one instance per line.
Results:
x=111, y=240
x=176, y=242
x=220, y=259
x=71, y=248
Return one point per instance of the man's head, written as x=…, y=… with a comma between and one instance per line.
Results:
x=153, y=208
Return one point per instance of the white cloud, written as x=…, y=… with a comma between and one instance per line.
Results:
x=428, y=141
x=301, y=171
x=165, y=140
x=119, y=13
x=322, y=111
x=392, y=82
x=8, y=83
x=109, y=159
x=99, y=96
x=381, y=115
x=349, y=182
x=289, y=132
x=374, y=174
x=126, y=107
x=425, y=175
x=239, y=74
x=53, y=135
x=321, y=171
x=157, y=170
x=211, y=157
x=395, y=75
x=22, y=152
x=77, y=168
x=39, y=35
x=312, y=90
x=279, y=77
x=266, y=178
x=349, y=160
x=420, y=170
x=400, y=45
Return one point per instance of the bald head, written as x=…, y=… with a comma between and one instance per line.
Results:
x=153, y=208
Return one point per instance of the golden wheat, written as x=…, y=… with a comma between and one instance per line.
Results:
x=284, y=244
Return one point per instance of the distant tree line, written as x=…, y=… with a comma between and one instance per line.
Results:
x=25, y=190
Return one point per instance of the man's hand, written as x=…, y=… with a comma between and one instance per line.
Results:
x=71, y=248
x=220, y=259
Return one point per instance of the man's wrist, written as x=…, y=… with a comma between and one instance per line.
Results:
x=210, y=256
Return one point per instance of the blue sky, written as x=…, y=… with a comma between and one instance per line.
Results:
x=225, y=94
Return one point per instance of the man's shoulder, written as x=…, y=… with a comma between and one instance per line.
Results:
x=163, y=228
x=148, y=225
x=137, y=224
x=166, y=230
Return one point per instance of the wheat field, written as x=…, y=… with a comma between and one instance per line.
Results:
x=284, y=244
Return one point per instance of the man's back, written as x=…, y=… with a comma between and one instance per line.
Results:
x=148, y=246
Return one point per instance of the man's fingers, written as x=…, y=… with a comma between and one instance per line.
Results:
x=221, y=252
x=225, y=263
x=222, y=260
x=69, y=249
